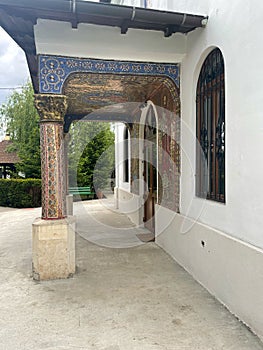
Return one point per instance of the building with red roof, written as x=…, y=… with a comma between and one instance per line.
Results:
x=8, y=159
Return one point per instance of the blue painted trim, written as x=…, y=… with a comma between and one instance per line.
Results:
x=54, y=70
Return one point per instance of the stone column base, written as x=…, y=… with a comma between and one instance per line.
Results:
x=53, y=248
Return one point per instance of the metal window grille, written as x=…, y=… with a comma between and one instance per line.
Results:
x=210, y=129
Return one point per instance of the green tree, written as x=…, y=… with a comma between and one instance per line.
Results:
x=22, y=122
x=89, y=141
x=91, y=154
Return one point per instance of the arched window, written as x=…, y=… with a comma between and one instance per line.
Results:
x=210, y=129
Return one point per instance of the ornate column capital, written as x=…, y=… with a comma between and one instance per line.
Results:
x=51, y=108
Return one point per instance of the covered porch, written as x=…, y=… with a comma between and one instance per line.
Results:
x=102, y=74
x=139, y=67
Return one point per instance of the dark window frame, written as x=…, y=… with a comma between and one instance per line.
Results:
x=126, y=174
x=210, y=129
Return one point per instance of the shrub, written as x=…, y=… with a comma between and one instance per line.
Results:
x=20, y=193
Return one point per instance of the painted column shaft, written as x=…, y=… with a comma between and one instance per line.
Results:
x=52, y=168
x=52, y=109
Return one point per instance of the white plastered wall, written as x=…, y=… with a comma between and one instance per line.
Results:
x=221, y=244
x=235, y=30
x=125, y=201
x=119, y=156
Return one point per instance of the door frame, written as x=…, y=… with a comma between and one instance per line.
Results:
x=144, y=114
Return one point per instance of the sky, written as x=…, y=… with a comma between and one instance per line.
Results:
x=13, y=68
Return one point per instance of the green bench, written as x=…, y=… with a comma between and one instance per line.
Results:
x=81, y=191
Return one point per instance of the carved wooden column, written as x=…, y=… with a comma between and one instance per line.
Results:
x=52, y=109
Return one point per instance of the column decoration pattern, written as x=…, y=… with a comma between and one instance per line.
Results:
x=51, y=109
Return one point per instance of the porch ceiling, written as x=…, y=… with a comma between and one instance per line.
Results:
x=89, y=92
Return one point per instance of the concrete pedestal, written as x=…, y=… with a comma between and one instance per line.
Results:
x=53, y=248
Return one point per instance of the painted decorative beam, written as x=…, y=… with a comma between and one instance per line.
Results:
x=54, y=70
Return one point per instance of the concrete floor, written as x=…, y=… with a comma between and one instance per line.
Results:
x=133, y=298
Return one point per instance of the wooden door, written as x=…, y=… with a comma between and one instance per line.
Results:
x=150, y=172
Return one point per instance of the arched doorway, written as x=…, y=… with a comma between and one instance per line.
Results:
x=150, y=167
